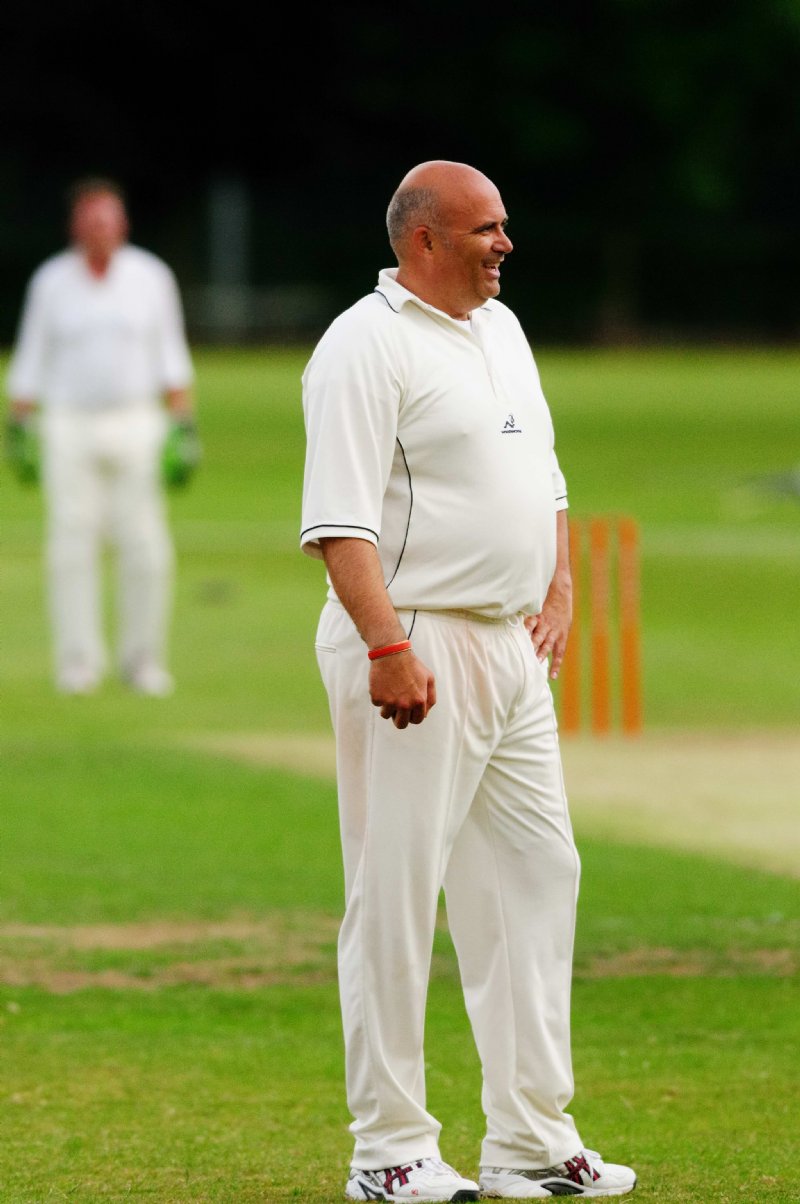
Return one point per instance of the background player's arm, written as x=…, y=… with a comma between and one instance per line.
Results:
x=400, y=684
x=180, y=402
x=550, y=628
x=20, y=409
x=26, y=370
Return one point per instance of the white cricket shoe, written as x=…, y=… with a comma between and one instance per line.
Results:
x=427, y=1179
x=76, y=680
x=150, y=679
x=583, y=1175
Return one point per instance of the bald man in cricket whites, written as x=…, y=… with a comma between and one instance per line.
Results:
x=433, y=493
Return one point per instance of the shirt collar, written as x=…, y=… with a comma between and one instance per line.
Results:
x=397, y=295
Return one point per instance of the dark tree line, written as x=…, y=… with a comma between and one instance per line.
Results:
x=646, y=149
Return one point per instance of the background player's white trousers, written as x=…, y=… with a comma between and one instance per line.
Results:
x=471, y=799
x=102, y=482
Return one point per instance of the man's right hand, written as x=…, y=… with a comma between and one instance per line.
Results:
x=400, y=684
x=403, y=687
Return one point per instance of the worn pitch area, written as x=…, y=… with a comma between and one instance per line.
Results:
x=729, y=796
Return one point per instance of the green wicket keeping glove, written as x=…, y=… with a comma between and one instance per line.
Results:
x=181, y=453
x=22, y=450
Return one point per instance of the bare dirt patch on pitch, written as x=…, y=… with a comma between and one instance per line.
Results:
x=729, y=794
x=296, y=947
x=692, y=963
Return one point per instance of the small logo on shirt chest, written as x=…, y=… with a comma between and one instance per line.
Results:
x=510, y=427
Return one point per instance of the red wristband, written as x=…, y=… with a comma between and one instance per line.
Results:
x=389, y=650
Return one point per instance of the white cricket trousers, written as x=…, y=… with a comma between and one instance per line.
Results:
x=472, y=799
x=102, y=482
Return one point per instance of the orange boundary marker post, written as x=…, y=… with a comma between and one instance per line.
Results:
x=571, y=667
x=599, y=595
x=629, y=627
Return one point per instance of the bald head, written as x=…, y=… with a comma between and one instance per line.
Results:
x=447, y=227
x=427, y=196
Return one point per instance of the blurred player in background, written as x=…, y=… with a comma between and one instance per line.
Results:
x=433, y=493
x=101, y=373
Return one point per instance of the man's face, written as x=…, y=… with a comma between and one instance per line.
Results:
x=470, y=247
x=99, y=224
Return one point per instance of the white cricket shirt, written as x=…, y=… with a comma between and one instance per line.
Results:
x=91, y=343
x=433, y=440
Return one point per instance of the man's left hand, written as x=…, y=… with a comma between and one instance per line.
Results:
x=549, y=629
x=182, y=451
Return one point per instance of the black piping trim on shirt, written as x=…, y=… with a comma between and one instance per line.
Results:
x=410, y=508
x=386, y=299
x=344, y=526
x=411, y=628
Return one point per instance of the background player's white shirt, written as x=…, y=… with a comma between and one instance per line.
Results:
x=91, y=343
x=434, y=442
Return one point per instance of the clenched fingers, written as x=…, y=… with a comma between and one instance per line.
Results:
x=405, y=691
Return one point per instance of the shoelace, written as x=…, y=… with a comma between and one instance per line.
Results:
x=592, y=1159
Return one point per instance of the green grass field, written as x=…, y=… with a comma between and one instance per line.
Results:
x=170, y=871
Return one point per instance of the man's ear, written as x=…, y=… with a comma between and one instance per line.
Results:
x=421, y=239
